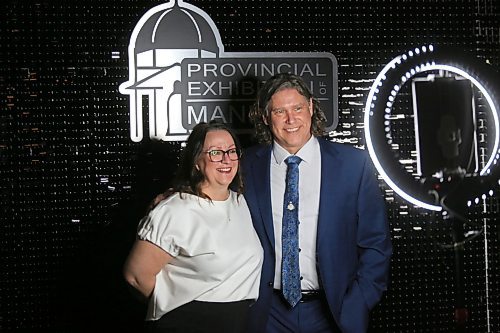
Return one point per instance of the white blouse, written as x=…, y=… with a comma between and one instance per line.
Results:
x=217, y=254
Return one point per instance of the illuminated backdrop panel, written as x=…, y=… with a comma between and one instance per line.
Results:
x=73, y=185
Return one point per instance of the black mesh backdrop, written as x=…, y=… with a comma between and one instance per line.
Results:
x=73, y=185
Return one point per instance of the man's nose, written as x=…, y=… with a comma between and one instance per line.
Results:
x=290, y=116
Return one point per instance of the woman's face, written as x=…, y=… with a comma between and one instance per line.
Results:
x=219, y=146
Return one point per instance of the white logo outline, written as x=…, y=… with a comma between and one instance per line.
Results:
x=150, y=75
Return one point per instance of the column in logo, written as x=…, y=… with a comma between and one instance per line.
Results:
x=165, y=36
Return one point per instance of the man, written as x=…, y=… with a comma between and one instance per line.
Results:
x=337, y=269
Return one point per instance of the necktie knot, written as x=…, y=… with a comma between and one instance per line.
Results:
x=293, y=160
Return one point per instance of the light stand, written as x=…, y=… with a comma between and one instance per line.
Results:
x=449, y=139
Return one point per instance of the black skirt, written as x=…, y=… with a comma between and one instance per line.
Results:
x=203, y=317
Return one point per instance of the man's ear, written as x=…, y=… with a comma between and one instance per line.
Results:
x=311, y=106
x=264, y=119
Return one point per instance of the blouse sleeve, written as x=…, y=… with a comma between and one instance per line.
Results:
x=159, y=227
x=175, y=230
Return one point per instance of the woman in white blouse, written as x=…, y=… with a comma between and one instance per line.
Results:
x=197, y=258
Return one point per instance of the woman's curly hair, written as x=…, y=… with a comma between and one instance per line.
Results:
x=260, y=109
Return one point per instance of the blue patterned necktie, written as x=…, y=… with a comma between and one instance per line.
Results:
x=290, y=271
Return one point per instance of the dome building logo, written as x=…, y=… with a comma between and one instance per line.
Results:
x=180, y=74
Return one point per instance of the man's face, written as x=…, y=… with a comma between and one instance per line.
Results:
x=290, y=119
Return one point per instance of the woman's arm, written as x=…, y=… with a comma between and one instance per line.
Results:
x=143, y=264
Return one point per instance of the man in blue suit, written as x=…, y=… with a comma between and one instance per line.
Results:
x=344, y=245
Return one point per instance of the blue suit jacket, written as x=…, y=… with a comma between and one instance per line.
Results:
x=353, y=247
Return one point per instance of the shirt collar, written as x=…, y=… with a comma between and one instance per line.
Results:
x=306, y=153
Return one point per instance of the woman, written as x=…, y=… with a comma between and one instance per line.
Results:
x=197, y=257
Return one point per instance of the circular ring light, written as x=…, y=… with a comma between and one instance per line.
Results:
x=380, y=101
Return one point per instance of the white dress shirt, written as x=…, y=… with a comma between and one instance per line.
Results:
x=309, y=187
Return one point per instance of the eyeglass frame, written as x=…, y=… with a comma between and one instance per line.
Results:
x=224, y=152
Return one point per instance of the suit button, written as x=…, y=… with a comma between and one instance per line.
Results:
x=270, y=284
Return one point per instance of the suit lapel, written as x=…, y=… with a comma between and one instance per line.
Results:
x=330, y=189
x=262, y=181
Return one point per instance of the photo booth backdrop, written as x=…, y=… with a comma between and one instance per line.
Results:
x=73, y=186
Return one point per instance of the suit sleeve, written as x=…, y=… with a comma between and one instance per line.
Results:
x=373, y=238
x=374, y=253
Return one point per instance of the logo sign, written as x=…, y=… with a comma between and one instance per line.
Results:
x=180, y=74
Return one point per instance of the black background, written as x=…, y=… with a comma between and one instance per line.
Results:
x=73, y=186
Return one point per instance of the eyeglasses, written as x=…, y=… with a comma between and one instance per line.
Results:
x=217, y=155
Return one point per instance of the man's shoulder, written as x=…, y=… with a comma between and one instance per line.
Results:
x=341, y=148
x=255, y=151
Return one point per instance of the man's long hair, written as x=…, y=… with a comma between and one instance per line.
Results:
x=260, y=109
